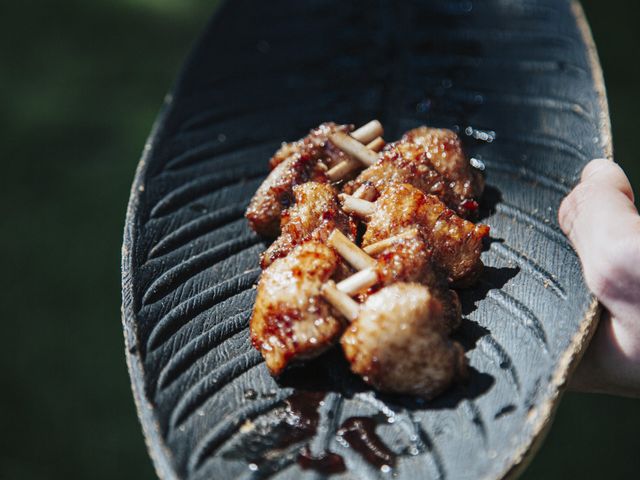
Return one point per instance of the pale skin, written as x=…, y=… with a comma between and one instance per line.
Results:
x=603, y=225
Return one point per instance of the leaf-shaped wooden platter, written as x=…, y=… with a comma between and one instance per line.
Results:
x=519, y=80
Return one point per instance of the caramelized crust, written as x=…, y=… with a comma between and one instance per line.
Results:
x=315, y=144
x=399, y=340
x=431, y=160
x=444, y=148
x=399, y=343
x=294, y=163
x=410, y=260
x=313, y=216
x=291, y=321
x=401, y=162
x=456, y=243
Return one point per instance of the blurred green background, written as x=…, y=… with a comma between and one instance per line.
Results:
x=81, y=85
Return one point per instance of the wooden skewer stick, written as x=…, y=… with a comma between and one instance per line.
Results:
x=366, y=191
x=377, y=247
x=350, y=251
x=353, y=147
x=339, y=295
x=369, y=135
x=355, y=256
x=342, y=169
x=341, y=301
x=359, y=281
x=368, y=132
x=376, y=144
x=362, y=208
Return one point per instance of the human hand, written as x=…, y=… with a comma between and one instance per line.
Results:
x=602, y=223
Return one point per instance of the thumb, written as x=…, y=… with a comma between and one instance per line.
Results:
x=603, y=225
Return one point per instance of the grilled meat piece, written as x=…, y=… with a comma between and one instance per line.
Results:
x=293, y=164
x=401, y=162
x=291, y=321
x=410, y=260
x=313, y=216
x=431, y=160
x=456, y=243
x=444, y=149
x=315, y=144
x=398, y=343
x=275, y=193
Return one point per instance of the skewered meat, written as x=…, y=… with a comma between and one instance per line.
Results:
x=402, y=258
x=401, y=162
x=274, y=195
x=291, y=321
x=456, y=243
x=293, y=164
x=314, y=144
x=431, y=160
x=313, y=216
x=398, y=342
x=410, y=260
x=444, y=149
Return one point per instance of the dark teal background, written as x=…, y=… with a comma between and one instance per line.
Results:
x=80, y=85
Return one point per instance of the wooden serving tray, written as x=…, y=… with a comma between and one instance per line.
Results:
x=519, y=80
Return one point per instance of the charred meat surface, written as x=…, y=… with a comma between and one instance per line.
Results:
x=398, y=343
x=410, y=260
x=401, y=162
x=291, y=321
x=412, y=197
x=456, y=243
x=315, y=145
x=293, y=164
x=444, y=148
x=431, y=160
x=314, y=214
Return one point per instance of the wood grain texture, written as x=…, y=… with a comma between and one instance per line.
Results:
x=519, y=80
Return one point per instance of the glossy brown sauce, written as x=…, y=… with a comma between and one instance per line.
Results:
x=327, y=463
x=301, y=417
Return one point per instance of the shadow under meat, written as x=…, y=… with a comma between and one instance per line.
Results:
x=329, y=372
x=492, y=278
x=491, y=196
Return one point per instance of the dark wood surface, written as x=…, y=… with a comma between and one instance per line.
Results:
x=519, y=80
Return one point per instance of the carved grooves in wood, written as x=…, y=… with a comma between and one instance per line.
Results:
x=530, y=267
x=288, y=107
x=487, y=36
x=462, y=7
x=526, y=173
x=175, y=277
x=499, y=355
x=170, y=323
x=436, y=456
x=222, y=152
x=215, y=437
x=523, y=314
x=198, y=347
x=549, y=230
x=197, y=228
x=473, y=412
x=424, y=63
x=537, y=101
x=417, y=435
x=550, y=142
x=211, y=383
x=205, y=185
